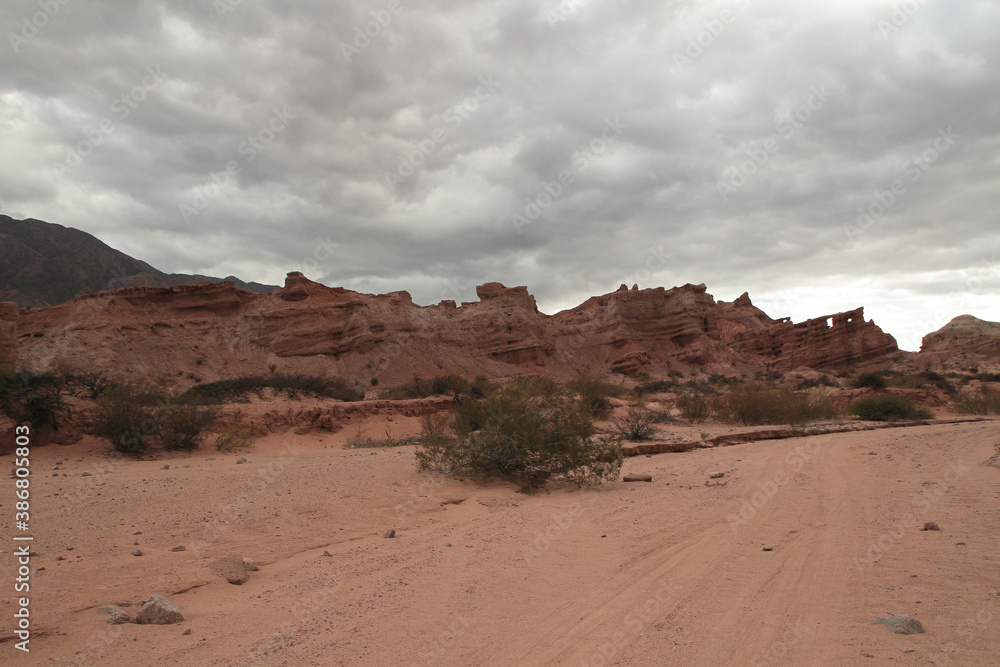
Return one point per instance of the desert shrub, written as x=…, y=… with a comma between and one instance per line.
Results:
x=906, y=381
x=764, y=405
x=887, y=408
x=595, y=392
x=984, y=402
x=655, y=387
x=451, y=383
x=359, y=441
x=125, y=416
x=182, y=426
x=693, y=406
x=869, y=381
x=293, y=385
x=32, y=397
x=434, y=424
x=636, y=424
x=524, y=437
x=94, y=385
x=235, y=437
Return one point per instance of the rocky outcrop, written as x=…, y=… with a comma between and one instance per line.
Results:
x=964, y=335
x=208, y=331
x=8, y=337
x=844, y=339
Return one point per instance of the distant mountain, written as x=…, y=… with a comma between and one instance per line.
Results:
x=43, y=264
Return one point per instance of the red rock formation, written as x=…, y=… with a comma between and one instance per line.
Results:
x=8, y=337
x=816, y=344
x=965, y=338
x=207, y=331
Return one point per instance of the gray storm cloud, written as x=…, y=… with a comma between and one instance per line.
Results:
x=818, y=155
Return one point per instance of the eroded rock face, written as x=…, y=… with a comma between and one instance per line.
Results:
x=8, y=337
x=964, y=335
x=844, y=339
x=207, y=331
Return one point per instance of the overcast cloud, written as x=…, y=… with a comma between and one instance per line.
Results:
x=567, y=146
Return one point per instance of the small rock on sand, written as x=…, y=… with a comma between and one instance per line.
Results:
x=637, y=477
x=250, y=565
x=931, y=525
x=716, y=475
x=902, y=625
x=115, y=615
x=390, y=533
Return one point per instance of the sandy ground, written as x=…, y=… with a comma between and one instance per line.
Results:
x=672, y=572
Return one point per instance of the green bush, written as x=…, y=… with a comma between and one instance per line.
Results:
x=984, y=402
x=595, y=393
x=182, y=426
x=523, y=436
x=890, y=407
x=869, y=381
x=32, y=397
x=125, y=416
x=655, y=387
x=693, y=406
x=236, y=436
x=636, y=424
x=451, y=383
x=754, y=405
x=236, y=389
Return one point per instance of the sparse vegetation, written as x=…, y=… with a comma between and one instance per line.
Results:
x=636, y=424
x=655, y=387
x=125, y=417
x=595, y=392
x=890, y=407
x=525, y=435
x=293, y=386
x=754, y=405
x=869, y=381
x=359, y=441
x=235, y=437
x=32, y=397
x=450, y=384
x=182, y=426
x=983, y=402
x=693, y=406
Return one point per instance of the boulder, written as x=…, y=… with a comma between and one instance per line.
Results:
x=232, y=569
x=158, y=610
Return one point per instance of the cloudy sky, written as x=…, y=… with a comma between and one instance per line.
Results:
x=820, y=155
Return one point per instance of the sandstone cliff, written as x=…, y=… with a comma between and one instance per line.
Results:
x=206, y=331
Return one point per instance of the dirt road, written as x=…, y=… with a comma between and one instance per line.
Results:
x=785, y=560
